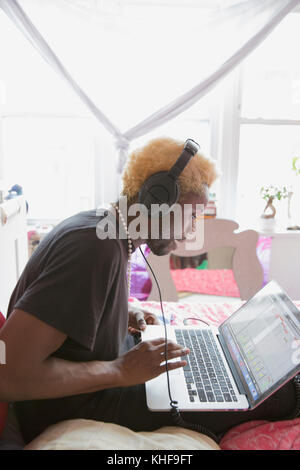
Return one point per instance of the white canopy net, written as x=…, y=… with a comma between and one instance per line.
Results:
x=128, y=65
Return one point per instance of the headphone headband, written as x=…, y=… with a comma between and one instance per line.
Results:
x=190, y=149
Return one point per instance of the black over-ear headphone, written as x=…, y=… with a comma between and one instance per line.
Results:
x=163, y=187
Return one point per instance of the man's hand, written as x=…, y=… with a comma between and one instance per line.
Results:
x=144, y=361
x=139, y=319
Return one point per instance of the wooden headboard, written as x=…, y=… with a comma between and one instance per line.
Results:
x=13, y=247
x=217, y=233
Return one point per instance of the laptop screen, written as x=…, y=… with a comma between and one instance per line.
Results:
x=263, y=338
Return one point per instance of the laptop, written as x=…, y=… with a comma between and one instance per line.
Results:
x=237, y=365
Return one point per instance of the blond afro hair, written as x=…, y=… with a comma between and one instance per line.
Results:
x=159, y=155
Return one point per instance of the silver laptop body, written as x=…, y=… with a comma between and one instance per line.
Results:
x=237, y=365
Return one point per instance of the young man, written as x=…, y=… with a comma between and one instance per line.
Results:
x=68, y=354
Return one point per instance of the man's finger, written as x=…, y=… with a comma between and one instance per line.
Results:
x=172, y=365
x=175, y=353
x=170, y=347
x=142, y=324
x=139, y=318
x=133, y=331
x=159, y=341
x=152, y=320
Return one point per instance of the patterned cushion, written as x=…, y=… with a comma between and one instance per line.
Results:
x=207, y=281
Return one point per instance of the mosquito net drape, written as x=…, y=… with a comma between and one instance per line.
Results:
x=106, y=50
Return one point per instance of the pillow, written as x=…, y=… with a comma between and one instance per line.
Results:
x=263, y=251
x=206, y=281
x=3, y=406
x=82, y=434
x=263, y=435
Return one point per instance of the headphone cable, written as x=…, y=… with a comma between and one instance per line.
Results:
x=175, y=412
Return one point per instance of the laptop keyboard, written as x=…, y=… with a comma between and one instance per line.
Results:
x=205, y=373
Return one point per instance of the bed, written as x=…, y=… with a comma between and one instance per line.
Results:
x=88, y=434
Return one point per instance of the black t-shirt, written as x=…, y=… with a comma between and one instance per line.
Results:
x=76, y=283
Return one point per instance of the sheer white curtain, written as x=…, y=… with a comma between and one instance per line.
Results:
x=107, y=53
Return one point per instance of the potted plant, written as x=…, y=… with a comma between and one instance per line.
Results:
x=270, y=194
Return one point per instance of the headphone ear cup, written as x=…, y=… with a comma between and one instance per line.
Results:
x=160, y=188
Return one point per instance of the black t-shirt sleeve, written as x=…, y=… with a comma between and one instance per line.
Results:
x=71, y=292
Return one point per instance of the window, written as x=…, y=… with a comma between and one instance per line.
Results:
x=269, y=118
x=53, y=159
x=66, y=162
x=51, y=146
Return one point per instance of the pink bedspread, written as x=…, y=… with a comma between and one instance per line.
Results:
x=253, y=435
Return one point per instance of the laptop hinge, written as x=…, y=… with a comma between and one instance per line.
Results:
x=232, y=367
